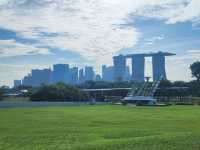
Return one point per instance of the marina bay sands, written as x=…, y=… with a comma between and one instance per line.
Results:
x=138, y=66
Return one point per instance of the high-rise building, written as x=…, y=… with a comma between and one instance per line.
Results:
x=119, y=67
x=27, y=80
x=107, y=73
x=138, y=64
x=39, y=77
x=17, y=83
x=73, y=76
x=60, y=73
x=158, y=61
x=89, y=73
x=81, y=76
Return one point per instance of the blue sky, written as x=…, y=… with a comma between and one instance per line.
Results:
x=37, y=34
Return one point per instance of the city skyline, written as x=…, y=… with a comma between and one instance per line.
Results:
x=37, y=34
x=66, y=74
x=120, y=71
x=60, y=73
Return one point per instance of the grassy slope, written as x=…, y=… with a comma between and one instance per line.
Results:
x=100, y=128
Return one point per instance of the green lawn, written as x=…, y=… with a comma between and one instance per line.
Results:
x=100, y=128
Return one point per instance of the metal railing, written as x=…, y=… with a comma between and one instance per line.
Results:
x=179, y=99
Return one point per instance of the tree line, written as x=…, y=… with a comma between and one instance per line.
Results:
x=57, y=92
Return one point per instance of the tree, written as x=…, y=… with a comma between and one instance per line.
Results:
x=165, y=84
x=194, y=88
x=195, y=69
x=180, y=84
x=57, y=92
x=2, y=91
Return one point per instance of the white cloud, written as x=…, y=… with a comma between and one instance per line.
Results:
x=187, y=13
x=155, y=39
x=193, y=51
x=190, y=55
x=89, y=27
x=10, y=48
x=173, y=11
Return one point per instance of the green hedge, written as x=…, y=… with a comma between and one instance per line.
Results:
x=57, y=92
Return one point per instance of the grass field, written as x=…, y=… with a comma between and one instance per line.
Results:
x=100, y=128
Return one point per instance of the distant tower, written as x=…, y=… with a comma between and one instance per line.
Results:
x=27, y=80
x=73, y=75
x=119, y=67
x=60, y=73
x=138, y=67
x=104, y=72
x=107, y=73
x=81, y=76
x=158, y=63
x=89, y=74
x=17, y=83
x=40, y=77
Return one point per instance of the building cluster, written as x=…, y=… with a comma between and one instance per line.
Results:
x=63, y=73
x=59, y=73
x=118, y=72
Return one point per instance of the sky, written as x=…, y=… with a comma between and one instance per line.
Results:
x=37, y=34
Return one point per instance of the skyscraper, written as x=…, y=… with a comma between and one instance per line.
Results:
x=27, y=80
x=138, y=64
x=107, y=73
x=89, y=73
x=73, y=75
x=81, y=76
x=158, y=61
x=60, y=73
x=119, y=67
x=39, y=77
x=17, y=83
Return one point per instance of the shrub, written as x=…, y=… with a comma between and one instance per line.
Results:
x=1, y=93
x=57, y=92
